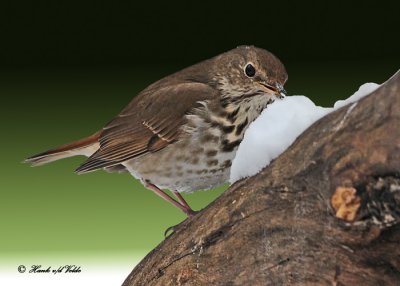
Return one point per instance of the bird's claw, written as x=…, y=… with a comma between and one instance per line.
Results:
x=173, y=228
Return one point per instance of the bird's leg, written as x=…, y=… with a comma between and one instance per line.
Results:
x=184, y=203
x=189, y=214
x=186, y=209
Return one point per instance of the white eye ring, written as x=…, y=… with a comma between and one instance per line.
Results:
x=249, y=70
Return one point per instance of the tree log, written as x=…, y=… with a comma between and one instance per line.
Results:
x=325, y=212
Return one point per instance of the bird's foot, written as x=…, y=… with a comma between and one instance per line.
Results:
x=171, y=230
x=190, y=213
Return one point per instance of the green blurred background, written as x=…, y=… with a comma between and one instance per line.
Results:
x=67, y=68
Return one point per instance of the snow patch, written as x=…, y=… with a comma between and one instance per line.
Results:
x=278, y=126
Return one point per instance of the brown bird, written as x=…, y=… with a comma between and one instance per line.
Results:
x=181, y=133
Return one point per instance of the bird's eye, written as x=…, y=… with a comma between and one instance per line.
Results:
x=250, y=70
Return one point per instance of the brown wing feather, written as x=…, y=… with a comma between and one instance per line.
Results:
x=151, y=121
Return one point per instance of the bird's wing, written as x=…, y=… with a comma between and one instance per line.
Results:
x=151, y=121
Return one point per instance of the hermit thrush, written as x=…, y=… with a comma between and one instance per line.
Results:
x=181, y=133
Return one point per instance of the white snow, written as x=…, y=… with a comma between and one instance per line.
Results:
x=362, y=91
x=278, y=126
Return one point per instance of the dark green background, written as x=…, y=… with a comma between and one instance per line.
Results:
x=67, y=68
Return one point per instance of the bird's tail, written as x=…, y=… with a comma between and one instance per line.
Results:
x=86, y=146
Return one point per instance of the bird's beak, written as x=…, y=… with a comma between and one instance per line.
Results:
x=282, y=91
x=274, y=88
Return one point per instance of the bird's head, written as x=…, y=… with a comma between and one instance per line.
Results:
x=249, y=74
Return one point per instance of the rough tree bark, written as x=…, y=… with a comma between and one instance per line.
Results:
x=326, y=212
